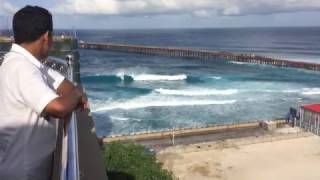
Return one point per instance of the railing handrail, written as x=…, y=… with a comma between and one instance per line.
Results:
x=70, y=148
x=58, y=60
x=72, y=132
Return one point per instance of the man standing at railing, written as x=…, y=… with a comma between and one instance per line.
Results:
x=30, y=94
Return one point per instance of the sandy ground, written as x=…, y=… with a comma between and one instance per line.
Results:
x=290, y=159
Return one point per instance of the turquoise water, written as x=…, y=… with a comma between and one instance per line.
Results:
x=136, y=93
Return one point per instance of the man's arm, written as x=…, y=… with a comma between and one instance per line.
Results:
x=63, y=105
x=65, y=87
x=69, y=98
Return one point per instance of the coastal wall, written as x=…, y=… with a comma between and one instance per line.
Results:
x=185, y=132
x=201, y=54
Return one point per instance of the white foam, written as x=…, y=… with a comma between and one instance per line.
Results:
x=269, y=90
x=304, y=91
x=237, y=62
x=152, y=77
x=143, y=103
x=277, y=91
x=124, y=118
x=216, y=77
x=290, y=91
x=120, y=75
x=119, y=118
x=311, y=91
x=197, y=92
x=156, y=77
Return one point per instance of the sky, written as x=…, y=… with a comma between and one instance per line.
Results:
x=142, y=14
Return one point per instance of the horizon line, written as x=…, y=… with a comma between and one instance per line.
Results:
x=169, y=28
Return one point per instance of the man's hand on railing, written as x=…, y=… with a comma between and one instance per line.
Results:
x=63, y=105
x=83, y=103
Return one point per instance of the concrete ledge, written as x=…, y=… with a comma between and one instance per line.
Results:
x=185, y=132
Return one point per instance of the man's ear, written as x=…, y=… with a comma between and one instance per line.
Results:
x=46, y=36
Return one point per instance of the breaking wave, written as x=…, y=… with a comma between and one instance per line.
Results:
x=311, y=91
x=128, y=78
x=140, y=103
x=197, y=92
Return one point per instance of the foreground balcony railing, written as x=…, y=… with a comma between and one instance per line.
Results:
x=66, y=155
x=77, y=153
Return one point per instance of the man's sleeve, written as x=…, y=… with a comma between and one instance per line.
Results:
x=54, y=78
x=34, y=91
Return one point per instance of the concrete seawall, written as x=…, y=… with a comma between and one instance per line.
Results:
x=186, y=132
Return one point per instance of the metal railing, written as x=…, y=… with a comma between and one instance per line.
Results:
x=67, y=158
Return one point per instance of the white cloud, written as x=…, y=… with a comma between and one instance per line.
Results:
x=232, y=10
x=201, y=13
x=6, y=8
x=202, y=8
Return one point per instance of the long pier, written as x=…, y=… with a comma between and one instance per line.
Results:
x=201, y=54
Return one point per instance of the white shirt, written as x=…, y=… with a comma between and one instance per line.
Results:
x=27, y=140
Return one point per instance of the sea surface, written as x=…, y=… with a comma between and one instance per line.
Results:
x=131, y=93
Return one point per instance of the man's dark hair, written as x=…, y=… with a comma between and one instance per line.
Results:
x=30, y=22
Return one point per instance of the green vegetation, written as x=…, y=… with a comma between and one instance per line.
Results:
x=132, y=161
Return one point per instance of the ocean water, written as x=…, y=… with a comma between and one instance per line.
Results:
x=136, y=93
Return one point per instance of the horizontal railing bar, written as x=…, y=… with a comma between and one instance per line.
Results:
x=58, y=60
